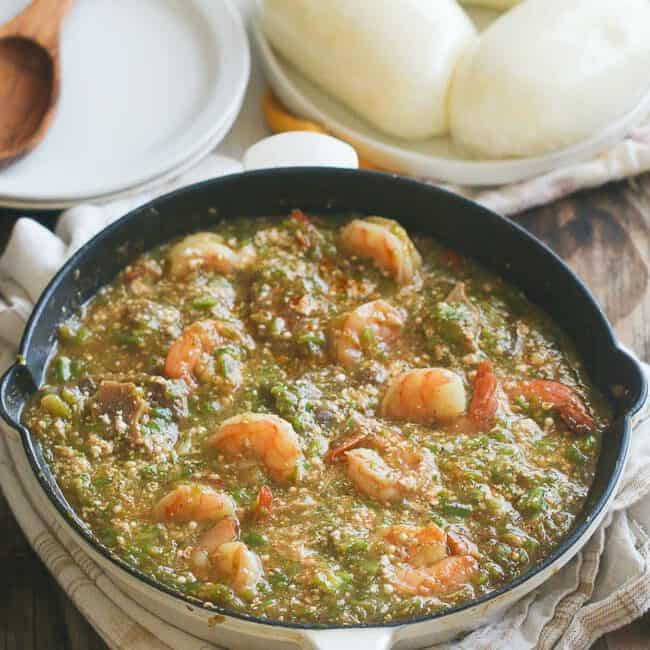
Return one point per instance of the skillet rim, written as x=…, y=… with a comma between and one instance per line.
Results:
x=79, y=528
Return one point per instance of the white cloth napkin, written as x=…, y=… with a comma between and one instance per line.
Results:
x=604, y=587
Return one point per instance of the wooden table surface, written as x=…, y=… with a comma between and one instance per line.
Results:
x=603, y=234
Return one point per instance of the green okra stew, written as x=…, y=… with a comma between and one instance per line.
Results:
x=319, y=420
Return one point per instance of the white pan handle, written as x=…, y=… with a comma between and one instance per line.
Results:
x=350, y=639
x=300, y=149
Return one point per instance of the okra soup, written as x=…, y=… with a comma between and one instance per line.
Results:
x=322, y=420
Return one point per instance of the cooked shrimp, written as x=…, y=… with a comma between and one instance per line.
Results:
x=386, y=243
x=424, y=395
x=559, y=397
x=205, y=250
x=422, y=546
x=235, y=562
x=189, y=354
x=194, y=502
x=219, y=553
x=459, y=544
x=373, y=476
x=268, y=437
x=224, y=531
x=443, y=578
x=484, y=401
x=336, y=453
x=428, y=561
x=185, y=352
x=375, y=321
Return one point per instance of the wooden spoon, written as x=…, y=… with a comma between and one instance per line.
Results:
x=30, y=75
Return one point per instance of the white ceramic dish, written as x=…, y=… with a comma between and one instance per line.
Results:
x=437, y=158
x=146, y=87
x=148, y=186
x=327, y=187
x=236, y=633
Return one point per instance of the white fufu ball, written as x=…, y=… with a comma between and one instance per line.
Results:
x=390, y=61
x=550, y=73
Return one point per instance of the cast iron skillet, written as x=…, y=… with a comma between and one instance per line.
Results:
x=493, y=240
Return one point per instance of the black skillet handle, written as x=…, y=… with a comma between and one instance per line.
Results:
x=16, y=386
x=629, y=385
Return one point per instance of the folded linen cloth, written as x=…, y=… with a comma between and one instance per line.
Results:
x=604, y=587
x=629, y=158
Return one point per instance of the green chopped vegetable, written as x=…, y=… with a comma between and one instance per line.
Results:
x=575, y=455
x=83, y=334
x=453, y=323
x=370, y=566
x=54, y=405
x=130, y=339
x=456, y=509
x=74, y=332
x=313, y=341
x=367, y=337
x=332, y=581
x=205, y=302
x=102, y=481
x=227, y=363
x=241, y=496
x=255, y=540
x=69, y=395
x=533, y=502
x=62, y=368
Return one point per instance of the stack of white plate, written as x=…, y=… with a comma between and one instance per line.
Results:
x=149, y=88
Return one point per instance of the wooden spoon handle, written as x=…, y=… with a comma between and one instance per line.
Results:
x=40, y=21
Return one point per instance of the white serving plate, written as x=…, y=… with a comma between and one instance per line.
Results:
x=147, y=85
x=142, y=189
x=438, y=158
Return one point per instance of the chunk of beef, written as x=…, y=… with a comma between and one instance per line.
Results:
x=457, y=320
x=122, y=403
x=136, y=409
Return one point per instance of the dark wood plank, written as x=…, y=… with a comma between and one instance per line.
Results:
x=603, y=234
x=35, y=614
x=80, y=634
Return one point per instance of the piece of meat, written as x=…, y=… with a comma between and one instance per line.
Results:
x=156, y=390
x=166, y=394
x=470, y=327
x=137, y=409
x=122, y=403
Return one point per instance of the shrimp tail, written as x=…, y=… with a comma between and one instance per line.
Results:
x=263, y=503
x=562, y=398
x=484, y=401
x=300, y=217
x=337, y=452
